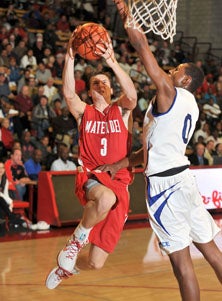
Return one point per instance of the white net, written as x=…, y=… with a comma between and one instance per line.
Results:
x=158, y=16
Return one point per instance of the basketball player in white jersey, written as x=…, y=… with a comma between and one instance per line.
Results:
x=176, y=211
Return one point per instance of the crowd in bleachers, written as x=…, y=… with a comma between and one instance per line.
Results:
x=33, y=113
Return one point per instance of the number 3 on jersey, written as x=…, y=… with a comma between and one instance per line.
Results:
x=103, y=150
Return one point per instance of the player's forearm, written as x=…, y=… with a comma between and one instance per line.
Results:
x=137, y=38
x=122, y=8
x=140, y=43
x=73, y=101
x=123, y=78
x=68, y=78
x=127, y=86
x=134, y=159
x=124, y=163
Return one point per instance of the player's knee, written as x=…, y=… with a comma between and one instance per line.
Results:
x=106, y=202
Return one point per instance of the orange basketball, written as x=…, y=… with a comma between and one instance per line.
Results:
x=87, y=37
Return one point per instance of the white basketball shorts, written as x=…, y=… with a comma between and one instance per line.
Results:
x=177, y=213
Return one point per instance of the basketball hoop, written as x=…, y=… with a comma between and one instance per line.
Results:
x=158, y=16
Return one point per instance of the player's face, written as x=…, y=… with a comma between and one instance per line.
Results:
x=178, y=75
x=100, y=88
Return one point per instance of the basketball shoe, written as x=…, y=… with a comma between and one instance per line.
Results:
x=68, y=256
x=56, y=276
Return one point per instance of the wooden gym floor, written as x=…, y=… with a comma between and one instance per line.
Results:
x=136, y=271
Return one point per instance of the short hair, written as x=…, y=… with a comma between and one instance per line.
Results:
x=196, y=74
x=43, y=96
x=14, y=149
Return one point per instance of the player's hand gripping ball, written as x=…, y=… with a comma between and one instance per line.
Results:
x=87, y=37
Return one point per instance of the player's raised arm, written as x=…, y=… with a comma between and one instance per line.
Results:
x=129, y=97
x=165, y=87
x=74, y=103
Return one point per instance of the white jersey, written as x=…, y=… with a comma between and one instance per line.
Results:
x=167, y=135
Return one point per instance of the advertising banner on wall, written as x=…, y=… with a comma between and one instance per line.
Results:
x=209, y=181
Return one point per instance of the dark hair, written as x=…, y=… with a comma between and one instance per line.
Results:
x=44, y=96
x=196, y=74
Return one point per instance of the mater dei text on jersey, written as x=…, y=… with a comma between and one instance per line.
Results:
x=103, y=127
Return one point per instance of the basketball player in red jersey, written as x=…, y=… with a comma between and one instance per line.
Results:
x=104, y=139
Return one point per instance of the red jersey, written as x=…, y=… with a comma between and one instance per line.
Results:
x=103, y=137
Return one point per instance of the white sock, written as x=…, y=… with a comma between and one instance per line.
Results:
x=81, y=233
